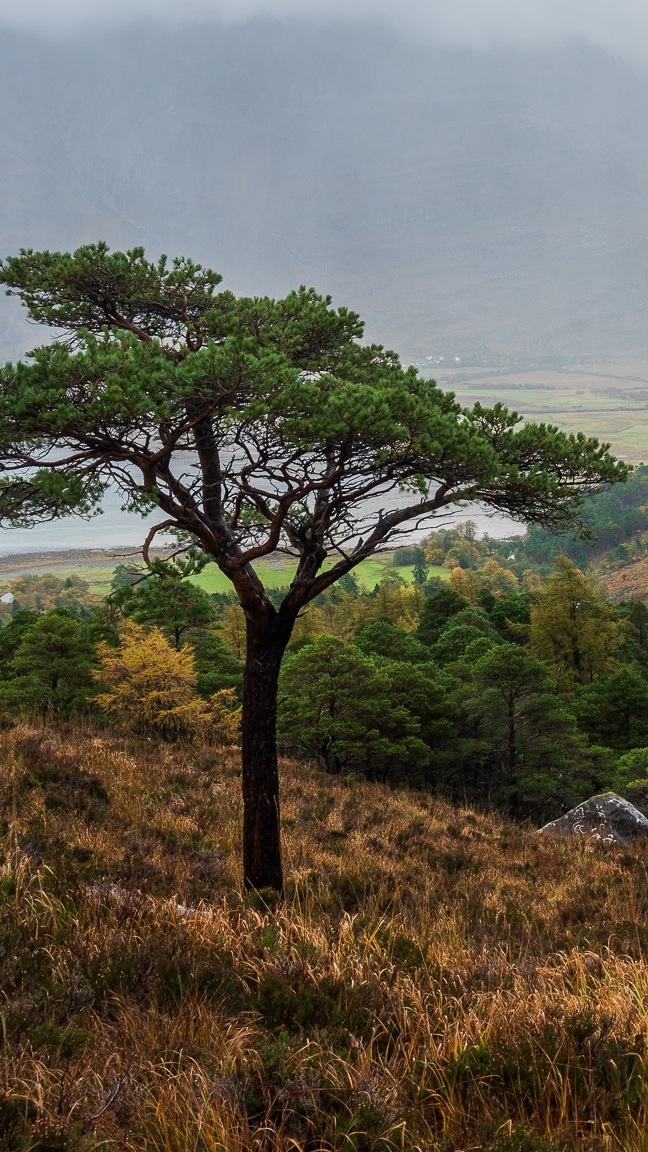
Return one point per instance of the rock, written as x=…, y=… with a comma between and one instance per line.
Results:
x=608, y=819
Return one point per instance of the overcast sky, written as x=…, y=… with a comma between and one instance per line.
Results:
x=618, y=25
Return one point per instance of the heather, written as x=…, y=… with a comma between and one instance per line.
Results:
x=436, y=978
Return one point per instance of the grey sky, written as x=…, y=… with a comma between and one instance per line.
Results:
x=618, y=25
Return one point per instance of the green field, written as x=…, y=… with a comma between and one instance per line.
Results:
x=279, y=573
x=607, y=400
x=275, y=573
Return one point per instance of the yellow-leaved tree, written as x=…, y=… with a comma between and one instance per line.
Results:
x=498, y=580
x=151, y=687
x=465, y=582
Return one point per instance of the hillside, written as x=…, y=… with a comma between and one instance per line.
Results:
x=626, y=581
x=437, y=979
x=474, y=204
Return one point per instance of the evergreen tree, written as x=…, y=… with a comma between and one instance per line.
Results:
x=338, y=705
x=382, y=638
x=511, y=615
x=456, y=640
x=523, y=743
x=614, y=709
x=635, y=614
x=128, y=576
x=630, y=777
x=436, y=612
x=11, y=637
x=215, y=664
x=166, y=597
x=252, y=424
x=51, y=668
x=460, y=632
x=427, y=694
x=421, y=568
x=573, y=629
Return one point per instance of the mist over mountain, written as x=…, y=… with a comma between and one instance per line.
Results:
x=480, y=204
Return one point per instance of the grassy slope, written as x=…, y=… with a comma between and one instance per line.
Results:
x=436, y=979
x=627, y=582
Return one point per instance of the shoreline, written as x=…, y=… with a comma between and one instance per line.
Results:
x=19, y=563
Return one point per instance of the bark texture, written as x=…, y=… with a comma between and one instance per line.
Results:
x=261, y=812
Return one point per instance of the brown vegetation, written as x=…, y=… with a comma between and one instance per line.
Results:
x=628, y=582
x=436, y=979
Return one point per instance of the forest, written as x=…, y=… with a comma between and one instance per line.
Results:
x=511, y=685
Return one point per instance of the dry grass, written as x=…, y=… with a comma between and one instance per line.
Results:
x=627, y=581
x=435, y=980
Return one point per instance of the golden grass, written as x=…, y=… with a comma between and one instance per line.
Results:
x=436, y=979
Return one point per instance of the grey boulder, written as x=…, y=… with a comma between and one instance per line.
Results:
x=607, y=819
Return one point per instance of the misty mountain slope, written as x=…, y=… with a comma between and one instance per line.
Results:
x=465, y=203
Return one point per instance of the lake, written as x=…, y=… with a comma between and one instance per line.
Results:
x=117, y=529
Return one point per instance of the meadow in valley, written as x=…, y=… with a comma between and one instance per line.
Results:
x=606, y=399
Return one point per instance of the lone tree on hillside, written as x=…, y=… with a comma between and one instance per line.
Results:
x=253, y=425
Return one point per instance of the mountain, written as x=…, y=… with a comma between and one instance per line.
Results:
x=484, y=205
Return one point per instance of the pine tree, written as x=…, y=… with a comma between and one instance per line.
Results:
x=252, y=424
x=51, y=668
x=573, y=629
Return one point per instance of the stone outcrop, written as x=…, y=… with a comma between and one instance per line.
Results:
x=607, y=819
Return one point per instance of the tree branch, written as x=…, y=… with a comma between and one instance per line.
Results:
x=151, y=536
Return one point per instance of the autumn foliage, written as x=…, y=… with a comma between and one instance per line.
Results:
x=151, y=687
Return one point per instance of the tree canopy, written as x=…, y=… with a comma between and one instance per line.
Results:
x=293, y=422
x=152, y=686
x=253, y=424
x=572, y=627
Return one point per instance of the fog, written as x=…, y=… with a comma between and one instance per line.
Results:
x=474, y=182
x=619, y=27
x=470, y=204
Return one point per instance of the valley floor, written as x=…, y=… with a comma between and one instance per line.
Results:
x=606, y=399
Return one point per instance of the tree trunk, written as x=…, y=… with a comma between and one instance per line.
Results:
x=261, y=828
